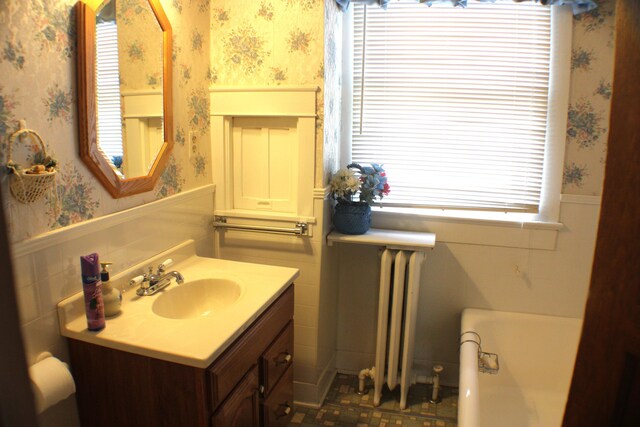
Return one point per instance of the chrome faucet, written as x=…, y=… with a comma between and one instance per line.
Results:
x=151, y=283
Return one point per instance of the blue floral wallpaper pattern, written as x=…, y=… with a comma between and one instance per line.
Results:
x=13, y=53
x=581, y=58
x=584, y=124
x=38, y=85
x=331, y=71
x=590, y=100
x=272, y=43
x=171, y=180
x=59, y=103
x=199, y=164
x=73, y=199
x=574, y=175
x=38, y=68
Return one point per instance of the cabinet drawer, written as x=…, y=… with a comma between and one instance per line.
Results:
x=243, y=354
x=277, y=358
x=277, y=409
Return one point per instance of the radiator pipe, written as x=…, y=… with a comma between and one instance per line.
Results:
x=433, y=379
x=362, y=376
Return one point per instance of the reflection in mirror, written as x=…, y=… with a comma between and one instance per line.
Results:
x=129, y=65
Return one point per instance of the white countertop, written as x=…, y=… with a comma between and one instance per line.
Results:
x=195, y=342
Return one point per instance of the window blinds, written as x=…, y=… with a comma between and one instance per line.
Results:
x=453, y=102
x=108, y=89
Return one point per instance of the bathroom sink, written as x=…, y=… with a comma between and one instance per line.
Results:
x=198, y=298
x=216, y=303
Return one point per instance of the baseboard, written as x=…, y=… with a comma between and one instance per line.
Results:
x=305, y=394
x=326, y=378
x=313, y=395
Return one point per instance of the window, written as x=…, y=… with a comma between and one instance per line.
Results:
x=466, y=108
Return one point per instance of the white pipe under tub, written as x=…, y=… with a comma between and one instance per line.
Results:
x=536, y=357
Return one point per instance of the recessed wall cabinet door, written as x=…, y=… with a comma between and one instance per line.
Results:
x=250, y=384
x=265, y=164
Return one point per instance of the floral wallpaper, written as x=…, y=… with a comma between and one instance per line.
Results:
x=271, y=43
x=38, y=85
x=332, y=117
x=139, y=54
x=279, y=42
x=590, y=100
x=251, y=43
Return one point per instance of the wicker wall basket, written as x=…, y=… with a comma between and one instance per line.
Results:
x=25, y=186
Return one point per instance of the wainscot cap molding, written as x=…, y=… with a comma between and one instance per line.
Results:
x=264, y=102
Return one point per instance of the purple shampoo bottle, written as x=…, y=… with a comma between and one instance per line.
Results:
x=92, y=287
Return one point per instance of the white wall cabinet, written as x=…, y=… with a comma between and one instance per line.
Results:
x=264, y=149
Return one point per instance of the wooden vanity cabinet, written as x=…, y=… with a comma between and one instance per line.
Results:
x=250, y=384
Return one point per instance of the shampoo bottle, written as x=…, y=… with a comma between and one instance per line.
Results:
x=111, y=297
x=92, y=289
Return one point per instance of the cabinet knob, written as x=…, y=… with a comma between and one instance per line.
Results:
x=283, y=410
x=283, y=358
x=261, y=389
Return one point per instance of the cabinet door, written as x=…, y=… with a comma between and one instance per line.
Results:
x=245, y=352
x=241, y=408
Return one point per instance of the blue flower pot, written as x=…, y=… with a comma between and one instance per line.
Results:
x=352, y=218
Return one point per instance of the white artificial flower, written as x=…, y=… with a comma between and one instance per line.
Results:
x=344, y=184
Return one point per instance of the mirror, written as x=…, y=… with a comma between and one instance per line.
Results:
x=124, y=92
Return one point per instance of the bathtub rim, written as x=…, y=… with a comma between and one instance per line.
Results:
x=468, y=394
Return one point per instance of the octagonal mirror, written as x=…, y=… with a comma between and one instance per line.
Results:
x=124, y=92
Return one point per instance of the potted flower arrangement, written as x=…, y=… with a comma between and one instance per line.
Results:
x=369, y=183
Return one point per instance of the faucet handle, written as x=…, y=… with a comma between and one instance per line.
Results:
x=136, y=280
x=167, y=263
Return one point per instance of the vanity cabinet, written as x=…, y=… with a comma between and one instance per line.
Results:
x=249, y=384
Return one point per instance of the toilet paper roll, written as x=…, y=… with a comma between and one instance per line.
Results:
x=51, y=382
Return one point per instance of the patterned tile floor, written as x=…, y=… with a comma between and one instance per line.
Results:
x=343, y=407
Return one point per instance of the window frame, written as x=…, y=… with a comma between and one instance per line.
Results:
x=546, y=220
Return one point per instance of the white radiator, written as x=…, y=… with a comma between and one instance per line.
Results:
x=397, y=310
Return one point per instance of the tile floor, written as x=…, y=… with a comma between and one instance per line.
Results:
x=343, y=407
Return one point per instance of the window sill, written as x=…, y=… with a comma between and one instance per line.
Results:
x=479, y=228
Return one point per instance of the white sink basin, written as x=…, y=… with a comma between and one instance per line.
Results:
x=198, y=298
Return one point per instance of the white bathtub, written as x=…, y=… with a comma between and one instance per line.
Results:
x=536, y=357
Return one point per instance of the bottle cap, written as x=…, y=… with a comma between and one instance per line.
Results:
x=104, y=274
x=89, y=265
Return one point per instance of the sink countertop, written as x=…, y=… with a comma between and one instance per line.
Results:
x=195, y=342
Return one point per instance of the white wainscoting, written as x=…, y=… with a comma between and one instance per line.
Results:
x=457, y=275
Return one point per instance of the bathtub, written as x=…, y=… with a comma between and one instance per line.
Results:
x=536, y=357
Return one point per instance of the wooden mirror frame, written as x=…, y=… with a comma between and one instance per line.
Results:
x=90, y=153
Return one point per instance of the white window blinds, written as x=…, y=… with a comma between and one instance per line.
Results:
x=109, y=124
x=453, y=102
